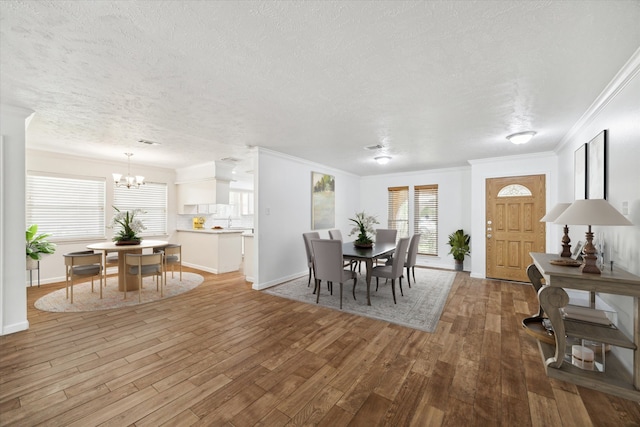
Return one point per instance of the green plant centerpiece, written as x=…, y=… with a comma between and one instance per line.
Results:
x=364, y=229
x=37, y=245
x=130, y=226
x=460, y=248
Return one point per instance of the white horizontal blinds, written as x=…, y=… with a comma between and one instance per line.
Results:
x=398, y=215
x=67, y=207
x=151, y=198
x=426, y=218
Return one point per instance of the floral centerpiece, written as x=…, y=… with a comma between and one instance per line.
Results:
x=364, y=228
x=130, y=227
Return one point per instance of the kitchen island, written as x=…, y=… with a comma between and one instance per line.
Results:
x=215, y=251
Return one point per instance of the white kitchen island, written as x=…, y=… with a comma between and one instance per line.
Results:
x=215, y=251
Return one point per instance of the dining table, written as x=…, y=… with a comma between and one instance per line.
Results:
x=122, y=250
x=368, y=255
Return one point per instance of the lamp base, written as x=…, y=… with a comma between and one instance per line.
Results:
x=566, y=247
x=590, y=259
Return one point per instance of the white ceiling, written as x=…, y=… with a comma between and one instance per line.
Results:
x=437, y=83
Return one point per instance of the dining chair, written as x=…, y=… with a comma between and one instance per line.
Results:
x=393, y=271
x=111, y=260
x=83, y=264
x=337, y=235
x=412, y=255
x=327, y=255
x=143, y=265
x=386, y=235
x=307, y=237
x=172, y=256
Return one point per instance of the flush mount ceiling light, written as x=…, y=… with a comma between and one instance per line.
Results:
x=521, y=137
x=382, y=160
x=128, y=180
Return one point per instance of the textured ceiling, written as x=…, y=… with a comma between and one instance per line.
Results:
x=437, y=83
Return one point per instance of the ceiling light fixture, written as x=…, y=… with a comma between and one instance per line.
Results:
x=521, y=137
x=128, y=180
x=382, y=160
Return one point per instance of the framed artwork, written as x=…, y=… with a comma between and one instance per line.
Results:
x=580, y=173
x=597, y=170
x=577, y=250
x=323, y=201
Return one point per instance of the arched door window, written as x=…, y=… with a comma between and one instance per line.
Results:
x=514, y=190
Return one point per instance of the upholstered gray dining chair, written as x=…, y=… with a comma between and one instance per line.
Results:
x=393, y=271
x=143, y=265
x=327, y=256
x=337, y=235
x=84, y=264
x=172, y=256
x=412, y=255
x=386, y=235
x=307, y=237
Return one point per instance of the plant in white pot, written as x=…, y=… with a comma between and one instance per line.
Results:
x=37, y=245
x=460, y=248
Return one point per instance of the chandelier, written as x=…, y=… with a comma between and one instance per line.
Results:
x=128, y=180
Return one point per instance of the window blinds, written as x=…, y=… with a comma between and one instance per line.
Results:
x=398, y=215
x=151, y=198
x=426, y=218
x=67, y=207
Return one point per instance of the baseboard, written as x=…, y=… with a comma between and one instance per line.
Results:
x=16, y=327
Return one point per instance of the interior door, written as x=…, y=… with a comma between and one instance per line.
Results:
x=513, y=228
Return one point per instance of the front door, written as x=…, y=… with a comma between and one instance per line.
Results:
x=513, y=228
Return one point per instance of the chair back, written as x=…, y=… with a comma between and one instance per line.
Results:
x=412, y=253
x=399, y=257
x=172, y=253
x=74, y=259
x=335, y=235
x=386, y=235
x=327, y=255
x=307, y=245
x=144, y=264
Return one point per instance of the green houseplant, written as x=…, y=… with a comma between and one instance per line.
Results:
x=37, y=245
x=460, y=248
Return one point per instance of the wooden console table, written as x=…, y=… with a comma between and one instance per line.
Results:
x=615, y=379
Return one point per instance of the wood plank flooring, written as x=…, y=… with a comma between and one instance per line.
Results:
x=224, y=354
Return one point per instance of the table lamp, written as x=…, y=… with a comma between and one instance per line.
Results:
x=551, y=216
x=591, y=212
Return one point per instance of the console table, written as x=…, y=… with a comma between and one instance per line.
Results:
x=552, y=297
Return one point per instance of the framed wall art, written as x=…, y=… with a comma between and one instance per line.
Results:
x=323, y=201
x=580, y=173
x=597, y=166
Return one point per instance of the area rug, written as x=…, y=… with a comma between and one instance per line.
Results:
x=419, y=308
x=84, y=300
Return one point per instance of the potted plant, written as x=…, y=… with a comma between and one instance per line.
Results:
x=36, y=246
x=459, y=243
x=364, y=226
x=130, y=227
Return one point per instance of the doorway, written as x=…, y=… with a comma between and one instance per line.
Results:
x=513, y=228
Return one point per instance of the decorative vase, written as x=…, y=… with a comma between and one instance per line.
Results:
x=362, y=245
x=127, y=242
x=459, y=266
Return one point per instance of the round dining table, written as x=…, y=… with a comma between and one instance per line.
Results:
x=106, y=247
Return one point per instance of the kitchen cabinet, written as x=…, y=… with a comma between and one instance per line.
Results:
x=615, y=379
x=215, y=251
x=190, y=195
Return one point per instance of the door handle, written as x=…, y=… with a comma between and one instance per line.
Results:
x=488, y=236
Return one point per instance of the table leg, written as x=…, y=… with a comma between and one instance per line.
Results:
x=369, y=264
x=132, y=280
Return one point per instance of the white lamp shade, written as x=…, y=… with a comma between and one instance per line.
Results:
x=555, y=212
x=592, y=212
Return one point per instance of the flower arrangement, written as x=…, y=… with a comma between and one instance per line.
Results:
x=131, y=226
x=364, y=227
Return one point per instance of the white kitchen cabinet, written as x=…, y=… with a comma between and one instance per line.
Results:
x=190, y=195
x=211, y=250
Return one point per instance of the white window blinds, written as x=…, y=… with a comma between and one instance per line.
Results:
x=67, y=207
x=426, y=218
x=151, y=198
x=398, y=215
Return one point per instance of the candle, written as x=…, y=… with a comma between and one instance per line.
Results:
x=582, y=357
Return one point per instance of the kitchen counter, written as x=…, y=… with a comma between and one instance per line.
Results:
x=215, y=251
x=212, y=231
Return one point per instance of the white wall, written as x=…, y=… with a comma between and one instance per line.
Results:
x=534, y=164
x=13, y=295
x=454, y=207
x=283, y=213
x=618, y=110
x=52, y=266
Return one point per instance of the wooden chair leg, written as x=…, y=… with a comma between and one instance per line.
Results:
x=393, y=290
x=400, y=281
x=318, y=291
x=340, y=295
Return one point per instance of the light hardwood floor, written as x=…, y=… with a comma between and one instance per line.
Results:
x=224, y=354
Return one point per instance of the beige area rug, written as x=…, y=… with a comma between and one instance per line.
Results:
x=419, y=308
x=84, y=300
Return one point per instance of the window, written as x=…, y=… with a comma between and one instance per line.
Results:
x=399, y=210
x=151, y=198
x=67, y=207
x=514, y=190
x=426, y=218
